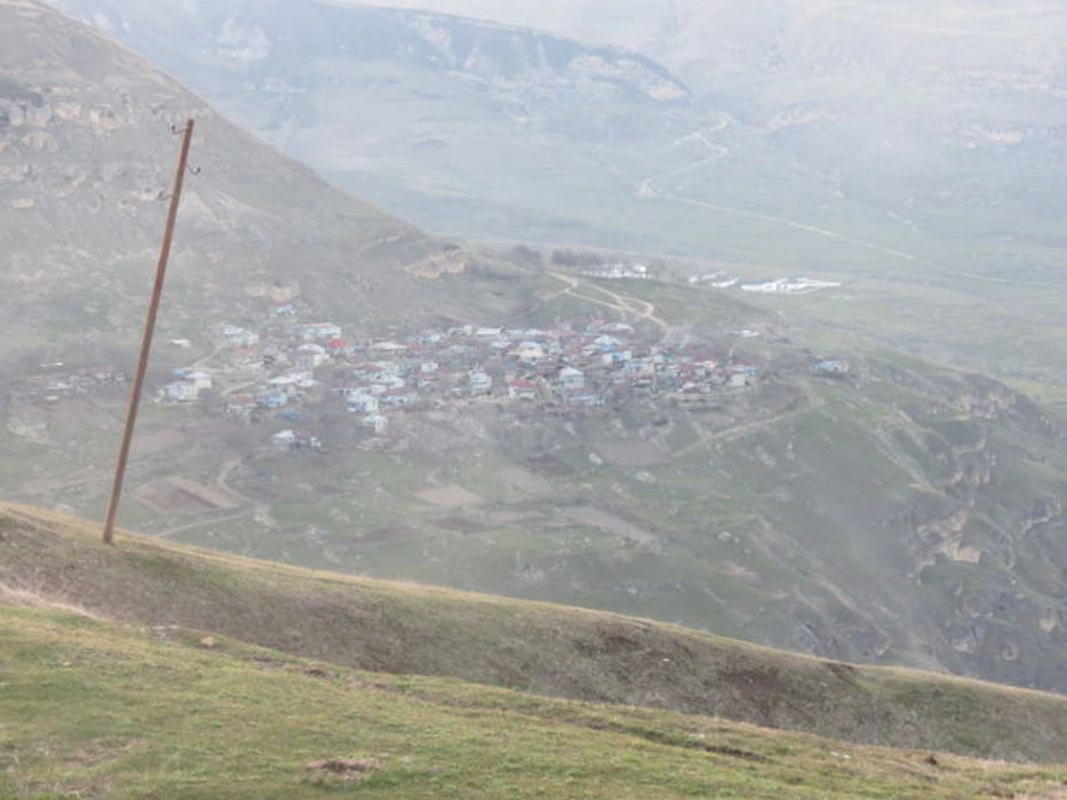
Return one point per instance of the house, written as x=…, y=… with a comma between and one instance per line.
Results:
x=283, y=441
x=375, y=422
x=308, y=442
x=522, y=390
x=181, y=392
x=273, y=400
x=480, y=382
x=619, y=270
x=309, y=356
x=320, y=331
x=337, y=347
x=830, y=366
x=528, y=351
x=289, y=440
x=387, y=382
x=571, y=378
x=387, y=347
x=201, y=380
x=398, y=398
x=736, y=378
x=363, y=404
x=235, y=336
x=246, y=358
x=584, y=399
x=241, y=408
x=291, y=383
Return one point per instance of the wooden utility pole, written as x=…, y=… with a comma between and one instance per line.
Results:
x=146, y=343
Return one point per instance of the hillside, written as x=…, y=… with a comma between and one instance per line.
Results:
x=703, y=473
x=49, y=560
x=87, y=153
x=109, y=711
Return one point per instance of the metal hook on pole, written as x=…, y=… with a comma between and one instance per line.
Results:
x=149, y=331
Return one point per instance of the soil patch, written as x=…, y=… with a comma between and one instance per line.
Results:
x=510, y=517
x=183, y=496
x=630, y=454
x=396, y=533
x=459, y=524
x=146, y=444
x=450, y=497
x=595, y=518
x=549, y=465
x=527, y=481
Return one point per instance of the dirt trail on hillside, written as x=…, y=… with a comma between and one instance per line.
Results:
x=726, y=434
x=630, y=306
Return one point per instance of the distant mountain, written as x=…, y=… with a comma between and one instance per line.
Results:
x=464, y=126
x=868, y=89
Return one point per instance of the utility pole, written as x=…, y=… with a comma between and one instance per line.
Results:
x=146, y=343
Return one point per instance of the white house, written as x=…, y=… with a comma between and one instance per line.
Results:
x=310, y=356
x=363, y=404
x=375, y=422
x=201, y=380
x=181, y=392
x=571, y=378
x=480, y=382
x=283, y=440
x=321, y=331
x=528, y=351
x=235, y=336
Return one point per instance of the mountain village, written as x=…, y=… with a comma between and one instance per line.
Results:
x=289, y=371
x=292, y=368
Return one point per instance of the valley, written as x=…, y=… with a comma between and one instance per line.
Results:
x=842, y=142
x=716, y=471
x=744, y=370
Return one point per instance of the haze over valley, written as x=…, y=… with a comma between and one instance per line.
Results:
x=743, y=320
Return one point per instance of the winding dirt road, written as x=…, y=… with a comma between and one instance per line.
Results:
x=631, y=306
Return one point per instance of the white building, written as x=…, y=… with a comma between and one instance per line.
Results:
x=571, y=378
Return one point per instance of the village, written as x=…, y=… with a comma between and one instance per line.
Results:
x=291, y=368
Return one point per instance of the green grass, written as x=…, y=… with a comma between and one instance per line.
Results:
x=549, y=650
x=93, y=709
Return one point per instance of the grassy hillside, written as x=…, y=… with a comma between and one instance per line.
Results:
x=94, y=709
x=537, y=648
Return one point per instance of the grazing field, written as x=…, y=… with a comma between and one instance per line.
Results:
x=141, y=591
